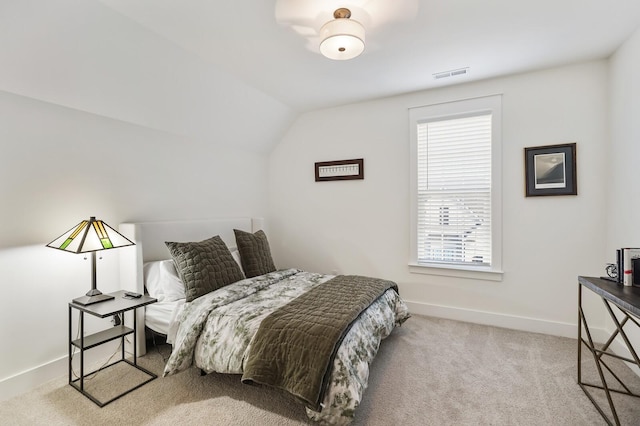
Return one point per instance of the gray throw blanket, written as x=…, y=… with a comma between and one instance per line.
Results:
x=295, y=346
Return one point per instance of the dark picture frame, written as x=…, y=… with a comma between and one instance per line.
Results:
x=550, y=170
x=339, y=170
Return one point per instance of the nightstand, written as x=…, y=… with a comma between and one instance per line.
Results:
x=107, y=309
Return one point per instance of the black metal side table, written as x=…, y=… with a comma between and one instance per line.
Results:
x=106, y=309
x=627, y=300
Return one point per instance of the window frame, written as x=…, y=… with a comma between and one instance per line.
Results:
x=443, y=111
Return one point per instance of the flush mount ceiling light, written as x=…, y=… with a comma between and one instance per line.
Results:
x=342, y=38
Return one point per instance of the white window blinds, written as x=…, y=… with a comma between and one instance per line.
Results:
x=454, y=190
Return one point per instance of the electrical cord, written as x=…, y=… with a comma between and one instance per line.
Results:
x=155, y=345
x=93, y=375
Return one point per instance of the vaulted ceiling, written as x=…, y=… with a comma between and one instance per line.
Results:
x=273, y=45
x=207, y=68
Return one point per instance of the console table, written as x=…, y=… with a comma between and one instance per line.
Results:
x=627, y=300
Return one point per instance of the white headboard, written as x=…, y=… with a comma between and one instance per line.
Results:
x=149, y=239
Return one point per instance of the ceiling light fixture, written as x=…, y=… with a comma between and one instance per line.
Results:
x=342, y=38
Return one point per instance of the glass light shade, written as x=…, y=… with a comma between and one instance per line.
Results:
x=90, y=235
x=342, y=39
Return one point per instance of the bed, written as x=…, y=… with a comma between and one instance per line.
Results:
x=276, y=327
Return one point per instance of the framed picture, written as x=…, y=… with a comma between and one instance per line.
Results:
x=550, y=170
x=340, y=170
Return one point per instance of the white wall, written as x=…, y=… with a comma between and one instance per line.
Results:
x=362, y=226
x=623, y=194
x=60, y=166
x=623, y=190
x=101, y=117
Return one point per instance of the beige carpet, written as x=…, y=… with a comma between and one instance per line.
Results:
x=428, y=372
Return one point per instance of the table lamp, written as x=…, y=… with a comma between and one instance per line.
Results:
x=90, y=236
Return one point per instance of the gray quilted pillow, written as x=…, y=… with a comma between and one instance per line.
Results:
x=204, y=266
x=255, y=254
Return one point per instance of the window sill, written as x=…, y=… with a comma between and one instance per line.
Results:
x=458, y=272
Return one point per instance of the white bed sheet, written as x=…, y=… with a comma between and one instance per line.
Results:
x=160, y=317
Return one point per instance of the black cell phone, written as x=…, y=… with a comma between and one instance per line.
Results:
x=131, y=295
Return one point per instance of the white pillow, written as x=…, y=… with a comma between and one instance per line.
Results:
x=162, y=281
x=236, y=256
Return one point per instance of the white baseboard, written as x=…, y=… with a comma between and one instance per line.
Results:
x=504, y=321
x=32, y=378
x=27, y=380
x=599, y=335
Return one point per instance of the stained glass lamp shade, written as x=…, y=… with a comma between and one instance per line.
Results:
x=90, y=236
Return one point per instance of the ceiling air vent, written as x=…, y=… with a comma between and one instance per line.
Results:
x=451, y=73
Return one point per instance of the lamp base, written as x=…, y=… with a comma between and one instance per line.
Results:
x=89, y=300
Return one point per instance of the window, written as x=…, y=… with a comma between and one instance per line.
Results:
x=455, y=188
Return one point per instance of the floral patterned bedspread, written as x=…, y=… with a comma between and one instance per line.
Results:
x=215, y=333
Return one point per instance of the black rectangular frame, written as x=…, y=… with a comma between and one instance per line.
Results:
x=359, y=162
x=570, y=186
